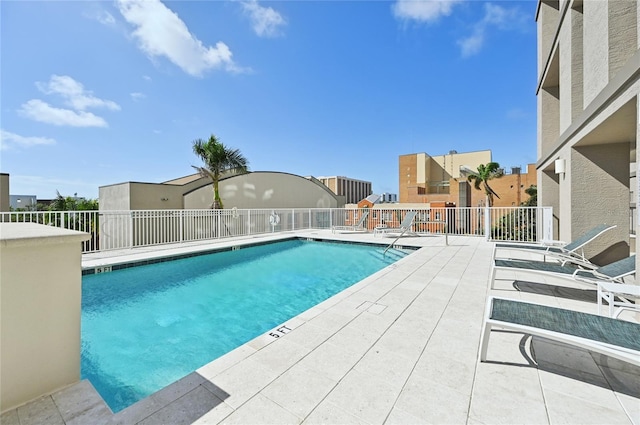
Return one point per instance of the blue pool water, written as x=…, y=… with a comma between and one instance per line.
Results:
x=145, y=327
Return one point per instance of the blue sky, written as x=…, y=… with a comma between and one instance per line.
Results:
x=97, y=93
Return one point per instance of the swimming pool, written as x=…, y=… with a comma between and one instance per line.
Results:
x=148, y=326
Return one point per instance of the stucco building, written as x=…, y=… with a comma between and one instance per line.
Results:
x=442, y=179
x=260, y=189
x=587, y=94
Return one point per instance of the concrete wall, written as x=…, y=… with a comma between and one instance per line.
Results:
x=596, y=48
x=608, y=165
x=264, y=190
x=4, y=192
x=40, y=311
x=623, y=33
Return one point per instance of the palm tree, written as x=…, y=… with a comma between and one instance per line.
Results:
x=532, y=191
x=485, y=173
x=218, y=160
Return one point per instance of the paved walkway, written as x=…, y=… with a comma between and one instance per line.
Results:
x=400, y=347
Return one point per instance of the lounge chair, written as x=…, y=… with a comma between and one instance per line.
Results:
x=359, y=227
x=405, y=225
x=572, y=252
x=612, y=337
x=614, y=272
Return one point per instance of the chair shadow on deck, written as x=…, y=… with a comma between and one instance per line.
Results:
x=577, y=294
x=571, y=361
x=586, y=366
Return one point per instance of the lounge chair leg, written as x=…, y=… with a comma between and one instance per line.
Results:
x=492, y=279
x=485, y=342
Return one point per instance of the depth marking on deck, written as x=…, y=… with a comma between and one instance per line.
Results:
x=281, y=331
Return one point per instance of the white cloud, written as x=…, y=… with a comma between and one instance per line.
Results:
x=146, y=77
x=102, y=16
x=160, y=32
x=75, y=94
x=471, y=45
x=496, y=16
x=423, y=10
x=137, y=96
x=40, y=111
x=9, y=140
x=105, y=18
x=266, y=21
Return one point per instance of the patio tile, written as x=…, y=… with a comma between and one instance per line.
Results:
x=376, y=323
x=224, y=362
x=330, y=321
x=631, y=406
x=431, y=402
x=622, y=381
x=40, y=411
x=594, y=390
x=400, y=417
x=261, y=410
x=403, y=343
x=80, y=403
x=557, y=357
x=10, y=417
x=299, y=390
x=239, y=383
x=364, y=396
x=281, y=355
x=186, y=409
x=157, y=401
x=444, y=369
x=331, y=361
x=563, y=408
x=215, y=415
x=354, y=340
x=309, y=336
x=309, y=314
x=328, y=413
x=383, y=364
x=507, y=394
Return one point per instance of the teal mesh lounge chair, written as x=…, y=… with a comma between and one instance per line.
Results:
x=614, y=272
x=612, y=337
x=405, y=225
x=573, y=252
x=359, y=227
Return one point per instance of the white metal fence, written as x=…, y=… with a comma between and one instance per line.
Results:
x=111, y=230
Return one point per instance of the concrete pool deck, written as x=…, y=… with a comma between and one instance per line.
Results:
x=400, y=347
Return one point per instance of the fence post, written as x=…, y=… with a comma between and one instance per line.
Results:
x=131, y=229
x=487, y=223
x=547, y=224
x=181, y=225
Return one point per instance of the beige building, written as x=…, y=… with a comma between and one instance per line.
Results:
x=427, y=179
x=421, y=174
x=353, y=190
x=588, y=68
x=258, y=189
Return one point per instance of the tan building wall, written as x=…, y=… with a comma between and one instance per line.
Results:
x=4, y=192
x=424, y=178
x=510, y=187
x=351, y=189
x=588, y=67
x=39, y=311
